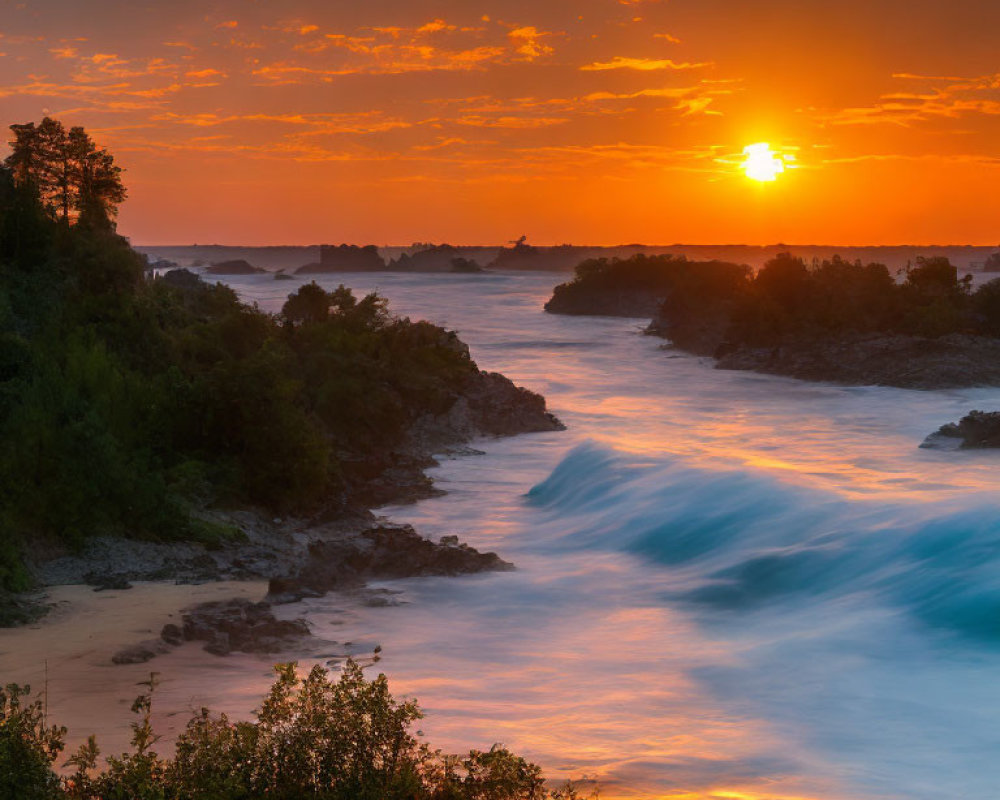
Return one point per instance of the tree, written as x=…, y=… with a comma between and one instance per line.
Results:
x=311, y=303
x=75, y=180
x=784, y=279
x=27, y=748
x=933, y=277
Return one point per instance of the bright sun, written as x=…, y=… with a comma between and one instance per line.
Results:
x=762, y=164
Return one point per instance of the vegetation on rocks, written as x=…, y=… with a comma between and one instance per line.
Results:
x=636, y=286
x=830, y=320
x=127, y=403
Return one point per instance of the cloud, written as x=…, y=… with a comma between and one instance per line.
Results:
x=436, y=26
x=691, y=100
x=325, y=123
x=382, y=61
x=205, y=73
x=513, y=122
x=642, y=64
x=528, y=42
x=955, y=97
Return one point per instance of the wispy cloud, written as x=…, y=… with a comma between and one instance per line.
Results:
x=947, y=97
x=642, y=64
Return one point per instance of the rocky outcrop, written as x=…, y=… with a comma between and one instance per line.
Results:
x=140, y=653
x=237, y=626
x=580, y=299
x=224, y=627
x=910, y=362
x=562, y=258
x=977, y=430
x=382, y=552
x=490, y=404
x=440, y=258
x=345, y=258
x=237, y=266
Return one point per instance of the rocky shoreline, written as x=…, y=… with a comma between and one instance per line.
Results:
x=907, y=362
x=338, y=548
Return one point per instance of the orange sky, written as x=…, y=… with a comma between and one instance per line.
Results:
x=591, y=121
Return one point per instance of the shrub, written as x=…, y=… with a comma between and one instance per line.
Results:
x=343, y=739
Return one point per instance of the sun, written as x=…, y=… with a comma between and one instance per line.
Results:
x=762, y=164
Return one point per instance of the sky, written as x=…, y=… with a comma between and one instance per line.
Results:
x=478, y=121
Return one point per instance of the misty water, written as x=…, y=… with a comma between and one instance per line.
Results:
x=728, y=584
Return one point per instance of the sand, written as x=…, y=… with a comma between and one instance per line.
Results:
x=87, y=693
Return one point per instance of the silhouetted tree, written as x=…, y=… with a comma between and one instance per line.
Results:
x=74, y=180
x=311, y=303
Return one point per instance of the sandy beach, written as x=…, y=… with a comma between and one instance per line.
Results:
x=87, y=693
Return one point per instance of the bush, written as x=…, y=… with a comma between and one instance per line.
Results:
x=28, y=748
x=344, y=739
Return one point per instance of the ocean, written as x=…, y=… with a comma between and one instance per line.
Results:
x=728, y=584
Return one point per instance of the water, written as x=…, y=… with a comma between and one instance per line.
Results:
x=729, y=585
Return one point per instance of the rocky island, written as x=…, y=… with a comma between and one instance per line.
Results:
x=436, y=258
x=236, y=266
x=838, y=321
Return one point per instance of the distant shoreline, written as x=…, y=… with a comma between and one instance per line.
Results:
x=564, y=258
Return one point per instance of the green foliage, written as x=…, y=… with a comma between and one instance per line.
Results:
x=126, y=403
x=789, y=300
x=343, y=739
x=986, y=302
x=658, y=275
x=28, y=748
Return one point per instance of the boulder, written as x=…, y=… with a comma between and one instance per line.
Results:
x=975, y=431
x=139, y=653
x=241, y=626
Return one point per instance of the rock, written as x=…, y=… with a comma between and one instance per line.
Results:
x=911, y=362
x=237, y=266
x=242, y=626
x=528, y=257
x=103, y=583
x=975, y=431
x=172, y=634
x=345, y=258
x=379, y=553
x=500, y=408
x=139, y=653
x=219, y=646
x=438, y=258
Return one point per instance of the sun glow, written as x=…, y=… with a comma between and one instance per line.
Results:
x=762, y=164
